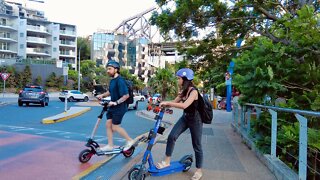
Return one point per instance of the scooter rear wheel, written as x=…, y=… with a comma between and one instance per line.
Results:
x=133, y=174
x=129, y=152
x=85, y=155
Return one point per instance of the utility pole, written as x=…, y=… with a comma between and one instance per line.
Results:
x=79, y=69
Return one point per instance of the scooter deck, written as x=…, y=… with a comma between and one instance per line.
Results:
x=114, y=151
x=174, y=167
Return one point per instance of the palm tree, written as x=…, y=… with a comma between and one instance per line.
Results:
x=164, y=82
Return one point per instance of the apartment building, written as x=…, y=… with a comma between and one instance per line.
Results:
x=131, y=54
x=26, y=34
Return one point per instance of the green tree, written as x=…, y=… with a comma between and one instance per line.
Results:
x=137, y=83
x=222, y=23
x=38, y=81
x=51, y=80
x=84, y=44
x=164, y=82
x=27, y=75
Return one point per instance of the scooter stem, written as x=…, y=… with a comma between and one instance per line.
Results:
x=95, y=128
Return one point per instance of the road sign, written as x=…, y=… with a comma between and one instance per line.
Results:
x=5, y=76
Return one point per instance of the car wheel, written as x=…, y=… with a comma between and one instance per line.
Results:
x=20, y=103
x=42, y=104
x=61, y=99
x=27, y=104
x=86, y=99
x=136, y=106
x=47, y=102
x=70, y=99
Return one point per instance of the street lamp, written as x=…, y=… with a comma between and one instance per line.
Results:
x=79, y=69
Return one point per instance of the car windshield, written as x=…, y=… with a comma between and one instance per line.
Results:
x=32, y=89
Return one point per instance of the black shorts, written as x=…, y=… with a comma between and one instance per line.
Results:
x=116, y=117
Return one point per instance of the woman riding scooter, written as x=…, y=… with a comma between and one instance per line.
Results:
x=188, y=101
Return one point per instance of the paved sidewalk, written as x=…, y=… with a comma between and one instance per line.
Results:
x=225, y=156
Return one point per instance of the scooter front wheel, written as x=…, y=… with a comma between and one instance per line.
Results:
x=134, y=173
x=85, y=155
x=187, y=162
x=129, y=152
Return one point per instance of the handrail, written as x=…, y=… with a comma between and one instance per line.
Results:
x=297, y=111
x=245, y=115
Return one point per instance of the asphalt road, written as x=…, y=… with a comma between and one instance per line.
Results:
x=42, y=147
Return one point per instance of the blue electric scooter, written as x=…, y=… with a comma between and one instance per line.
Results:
x=139, y=171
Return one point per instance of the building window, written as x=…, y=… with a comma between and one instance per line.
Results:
x=4, y=46
x=54, y=49
x=21, y=46
x=54, y=38
x=21, y=34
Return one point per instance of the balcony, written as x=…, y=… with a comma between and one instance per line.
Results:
x=7, y=38
x=67, y=33
x=36, y=40
x=38, y=51
x=7, y=26
x=38, y=29
x=68, y=53
x=7, y=51
x=67, y=43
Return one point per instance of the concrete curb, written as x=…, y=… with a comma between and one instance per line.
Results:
x=72, y=112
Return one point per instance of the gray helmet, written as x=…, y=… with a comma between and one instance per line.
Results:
x=113, y=63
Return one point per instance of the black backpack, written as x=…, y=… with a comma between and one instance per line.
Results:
x=130, y=90
x=205, y=109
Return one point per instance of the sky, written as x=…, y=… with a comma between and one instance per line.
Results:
x=90, y=15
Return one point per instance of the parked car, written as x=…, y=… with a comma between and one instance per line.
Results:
x=73, y=95
x=33, y=94
x=134, y=105
x=155, y=99
x=138, y=97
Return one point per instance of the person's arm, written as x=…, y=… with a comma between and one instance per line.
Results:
x=119, y=101
x=106, y=94
x=123, y=90
x=193, y=95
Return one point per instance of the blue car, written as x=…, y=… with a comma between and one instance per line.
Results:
x=34, y=95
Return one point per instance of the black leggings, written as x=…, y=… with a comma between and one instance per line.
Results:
x=194, y=123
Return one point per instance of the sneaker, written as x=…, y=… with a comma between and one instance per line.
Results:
x=128, y=145
x=106, y=148
x=197, y=175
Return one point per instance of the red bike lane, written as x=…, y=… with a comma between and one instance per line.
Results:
x=24, y=156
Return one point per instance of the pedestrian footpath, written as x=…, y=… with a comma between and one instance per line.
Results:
x=225, y=156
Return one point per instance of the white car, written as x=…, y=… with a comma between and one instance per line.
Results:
x=73, y=95
x=138, y=97
x=134, y=105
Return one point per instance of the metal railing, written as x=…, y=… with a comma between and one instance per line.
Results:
x=242, y=120
x=36, y=61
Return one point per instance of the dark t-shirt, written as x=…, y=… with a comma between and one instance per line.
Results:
x=117, y=89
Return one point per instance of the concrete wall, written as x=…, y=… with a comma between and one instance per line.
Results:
x=43, y=70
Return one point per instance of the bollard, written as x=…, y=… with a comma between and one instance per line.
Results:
x=214, y=103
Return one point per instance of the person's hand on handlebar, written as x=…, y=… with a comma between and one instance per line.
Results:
x=100, y=96
x=165, y=104
x=111, y=103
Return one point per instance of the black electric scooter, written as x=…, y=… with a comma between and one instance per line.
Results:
x=94, y=148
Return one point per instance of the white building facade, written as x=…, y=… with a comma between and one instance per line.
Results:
x=25, y=34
